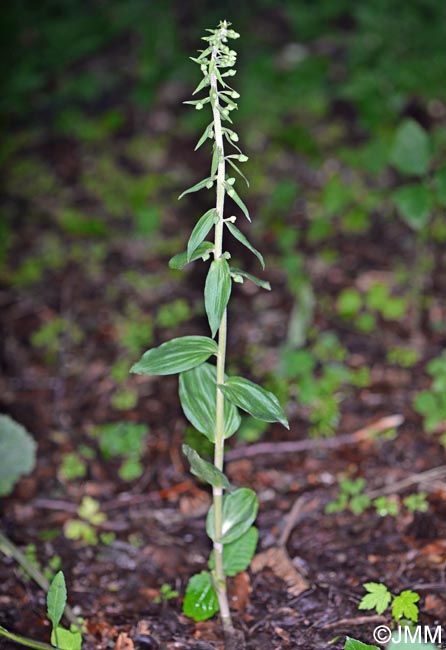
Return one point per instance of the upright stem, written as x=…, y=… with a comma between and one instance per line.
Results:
x=220, y=581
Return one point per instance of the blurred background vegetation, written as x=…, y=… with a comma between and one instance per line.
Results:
x=342, y=113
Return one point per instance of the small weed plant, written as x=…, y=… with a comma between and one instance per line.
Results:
x=210, y=399
x=61, y=637
x=404, y=605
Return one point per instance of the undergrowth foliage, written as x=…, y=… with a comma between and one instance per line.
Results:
x=210, y=399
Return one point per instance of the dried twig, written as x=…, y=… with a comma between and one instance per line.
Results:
x=295, y=446
x=359, y=620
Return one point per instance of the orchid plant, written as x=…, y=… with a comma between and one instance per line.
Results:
x=210, y=399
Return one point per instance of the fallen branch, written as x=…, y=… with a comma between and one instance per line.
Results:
x=295, y=446
x=359, y=620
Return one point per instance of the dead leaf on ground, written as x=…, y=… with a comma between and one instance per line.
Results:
x=240, y=592
x=277, y=559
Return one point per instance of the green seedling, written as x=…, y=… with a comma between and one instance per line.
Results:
x=173, y=314
x=166, y=594
x=431, y=403
x=61, y=637
x=403, y=356
x=363, y=309
x=50, y=570
x=353, y=496
x=85, y=527
x=50, y=337
x=321, y=381
x=72, y=467
x=416, y=502
x=210, y=399
x=404, y=605
x=123, y=440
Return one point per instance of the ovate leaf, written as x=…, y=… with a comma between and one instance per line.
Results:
x=180, y=260
x=239, y=512
x=254, y=399
x=410, y=152
x=403, y=606
x=17, y=453
x=204, y=470
x=414, y=203
x=200, y=600
x=56, y=599
x=378, y=598
x=260, y=283
x=175, y=356
x=197, y=390
x=237, y=555
x=242, y=239
x=353, y=644
x=203, y=226
x=216, y=292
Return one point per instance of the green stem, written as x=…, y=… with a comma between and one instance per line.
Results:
x=23, y=640
x=220, y=581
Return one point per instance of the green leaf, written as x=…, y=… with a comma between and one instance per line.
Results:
x=239, y=512
x=216, y=156
x=177, y=355
x=66, y=639
x=378, y=598
x=410, y=152
x=242, y=239
x=403, y=606
x=239, y=171
x=260, y=283
x=235, y=197
x=349, y=302
x=414, y=203
x=180, y=260
x=17, y=453
x=206, y=182
x=203, y=83
x=353, y=644
x=200, y=600
x=216, y=292
x=198, y=390
x=204, y=136
x=440, y=186
x=56, y=599
x=254, y=399
x=201, y=229
x=237, y=555
x=204, y=470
